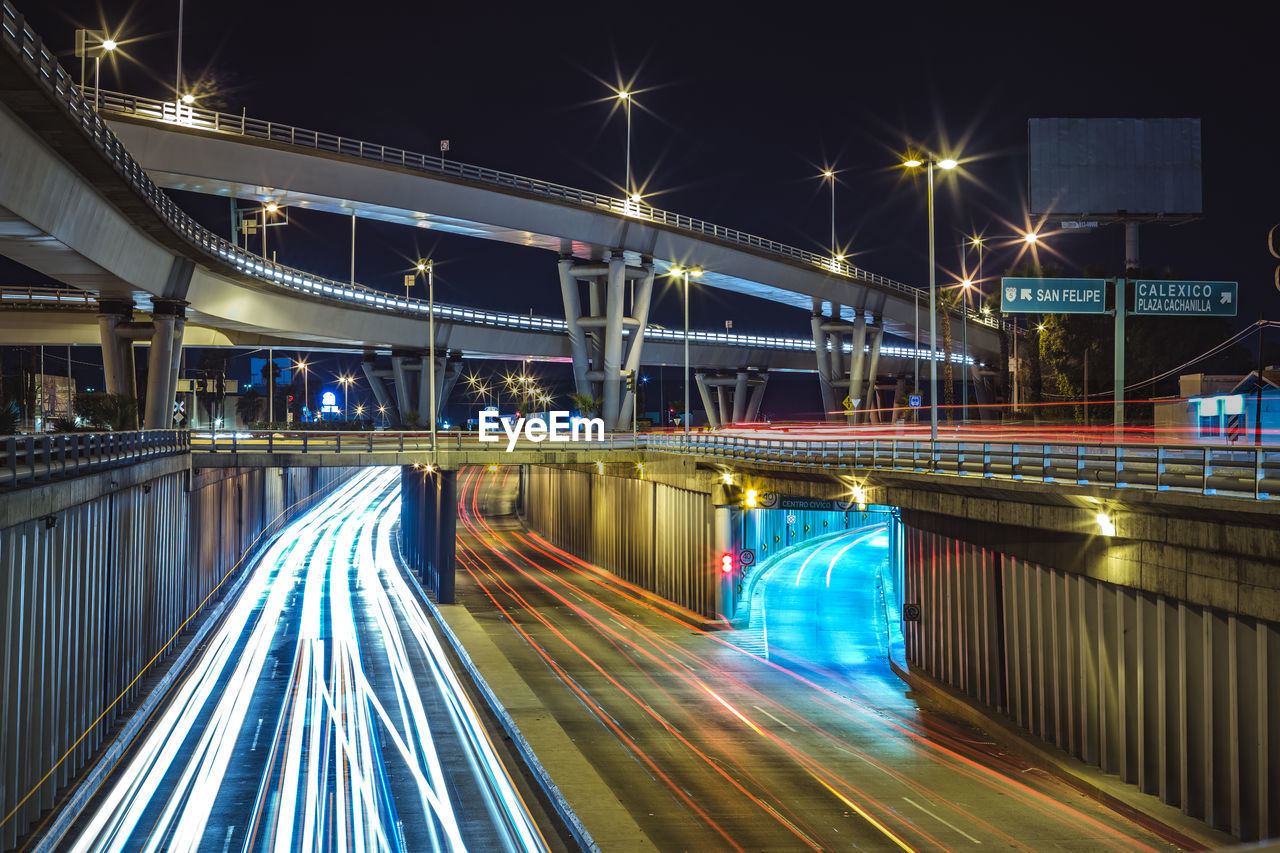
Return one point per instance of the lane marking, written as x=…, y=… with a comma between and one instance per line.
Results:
x=772, y=717
x=941, y=821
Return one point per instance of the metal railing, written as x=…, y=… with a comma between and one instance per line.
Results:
x=1251, y=472
x=30, y=459
x=191, y=116
x=41, y=297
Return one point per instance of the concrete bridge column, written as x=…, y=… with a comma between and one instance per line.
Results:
x=404, y=393
x=572, y=314
x=757, y=397
x=159, y=412
x=175, y=359
x=613, y=341
x=428, y=526
x=820, y=350
x=376, y=384
x=448, y=369
x=835, y=333
x=857, y=361
x=640, y=318
x=117, y=352
x=875, y=336
x=740, y=398
x=712, y=420
x=424, y=387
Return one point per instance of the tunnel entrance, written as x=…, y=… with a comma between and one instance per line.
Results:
x=819, y=584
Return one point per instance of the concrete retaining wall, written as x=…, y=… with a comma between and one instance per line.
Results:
x=1180, y=699
x=96, y=575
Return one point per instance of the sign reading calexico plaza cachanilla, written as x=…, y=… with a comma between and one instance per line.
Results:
x=1053, y=295
x=1195, y=298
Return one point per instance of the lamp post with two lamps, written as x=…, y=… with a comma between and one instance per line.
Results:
x=948, y=164
x=685, y=272
x=345, y=382
x=306, y=388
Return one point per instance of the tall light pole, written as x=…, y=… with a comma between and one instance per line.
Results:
x=964, y=358
x=830, y=175
x=625, y=97
x=947, y=163
x=685, y=272
x=345, y=382
x=98, y=43
x=306, y=388
x=428, y=266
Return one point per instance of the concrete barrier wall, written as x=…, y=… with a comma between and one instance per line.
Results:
x=1179, y=699
x=92, y=592
x=656, y=536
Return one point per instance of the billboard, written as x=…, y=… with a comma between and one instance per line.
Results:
x=1101, y=166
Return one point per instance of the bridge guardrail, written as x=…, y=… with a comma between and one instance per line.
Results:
x=32, y=459
x=241, y=125
x=1250, y=472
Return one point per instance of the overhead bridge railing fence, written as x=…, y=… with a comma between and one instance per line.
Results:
x=1240, y=471
x=371, y=441
x=41, y=458
x=192, y=116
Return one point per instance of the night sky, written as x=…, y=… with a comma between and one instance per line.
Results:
x=737, y=112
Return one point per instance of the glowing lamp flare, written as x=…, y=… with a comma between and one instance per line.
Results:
x=726, y=564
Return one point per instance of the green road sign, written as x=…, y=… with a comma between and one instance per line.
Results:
x=1192, y=298
x=1053, y=295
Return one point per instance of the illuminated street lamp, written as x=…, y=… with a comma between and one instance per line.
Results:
x=97, y=43
x=685, y=272
x=947, y=164
x=830, y=175
x=306, y=390
x=967, y=284
x=427, y=266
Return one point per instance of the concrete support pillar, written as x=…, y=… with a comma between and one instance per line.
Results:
x=857, y=362
x=740, y=398
x=611, y=392
x=159, y=408
x=722, y=400
x=404, y=393
x=573, y=313
x=820, y=350
x=175, y=358
x=757, y=397
x=424, y=388
x=448, y=369
x=597, y=340
x=117, y=371
x=640, y=314
x=446, y=507
x=837, y=342
x=873, y=358
x=379, y=389
x=712, y=420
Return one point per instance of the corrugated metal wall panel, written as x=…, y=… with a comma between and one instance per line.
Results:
x=1178, y=699
x=88, y=602
x=650, y=534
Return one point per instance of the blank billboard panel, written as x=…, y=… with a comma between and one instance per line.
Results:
x=1101, y=166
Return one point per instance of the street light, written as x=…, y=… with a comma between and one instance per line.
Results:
x=947, y=164
x=967, y=284
x=625, y=97
x=98, y=43
x=345, y=382
x=427, y=266
x=306, y=390
x=830, y=175
x=685, y=272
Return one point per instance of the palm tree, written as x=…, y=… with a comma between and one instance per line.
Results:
x=947, y=302
x=249, y=407
x=586, y=404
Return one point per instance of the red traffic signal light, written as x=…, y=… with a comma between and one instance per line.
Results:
x=290, y=398
x=726, y=563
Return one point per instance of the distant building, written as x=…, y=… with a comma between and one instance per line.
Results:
x=1221, y=409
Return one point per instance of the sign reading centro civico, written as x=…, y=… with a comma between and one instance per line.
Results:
x=1053, y=295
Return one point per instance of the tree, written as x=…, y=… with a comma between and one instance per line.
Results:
x=114, y=411
x=948, y=301
x=586, y=405
x=10, y=416
x=249, y=406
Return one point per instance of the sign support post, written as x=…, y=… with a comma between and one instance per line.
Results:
x=1118, y=420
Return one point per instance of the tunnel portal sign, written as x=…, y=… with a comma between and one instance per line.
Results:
x=1053, y=295
x=1193, y=298
x=793, y=503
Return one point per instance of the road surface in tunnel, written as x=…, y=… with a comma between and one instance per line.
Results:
x=322, y=714
x=709, y=747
